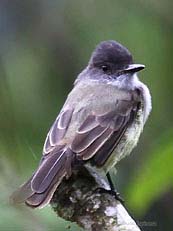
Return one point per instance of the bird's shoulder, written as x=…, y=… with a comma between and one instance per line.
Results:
x=94, y=93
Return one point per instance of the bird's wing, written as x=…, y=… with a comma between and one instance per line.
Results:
x=95, y=139
x=54, y=165
x=56, y=157
x=99, y=134
x=57, y=131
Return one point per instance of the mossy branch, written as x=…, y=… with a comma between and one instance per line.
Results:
x=77, y=200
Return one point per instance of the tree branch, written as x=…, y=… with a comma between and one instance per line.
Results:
x=77, y=200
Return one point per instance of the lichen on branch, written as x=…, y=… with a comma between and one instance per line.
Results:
x=78, y=200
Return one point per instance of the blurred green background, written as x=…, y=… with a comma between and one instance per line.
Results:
x=43, y=46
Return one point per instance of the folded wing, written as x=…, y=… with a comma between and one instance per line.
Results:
x=94, y=140
x=53, y=167
x=100, y=134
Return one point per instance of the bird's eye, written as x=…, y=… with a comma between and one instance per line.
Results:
x=105, y=68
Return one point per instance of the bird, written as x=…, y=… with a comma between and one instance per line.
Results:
x=99, y=124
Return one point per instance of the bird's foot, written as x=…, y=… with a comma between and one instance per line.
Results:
x=111, y=192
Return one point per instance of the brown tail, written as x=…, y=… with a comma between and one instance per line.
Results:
x=39, y=189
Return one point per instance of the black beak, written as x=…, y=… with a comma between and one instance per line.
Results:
x=134, y=68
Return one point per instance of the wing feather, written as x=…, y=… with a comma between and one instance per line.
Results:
x=84, y=140
x=100, y=134
x=58, y=130
x=89, y=124
x=95, y=146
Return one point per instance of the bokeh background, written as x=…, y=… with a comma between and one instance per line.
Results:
x=43, y=46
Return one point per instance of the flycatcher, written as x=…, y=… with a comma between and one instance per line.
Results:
x=99, y=124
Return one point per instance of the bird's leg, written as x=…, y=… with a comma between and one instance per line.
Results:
x=112, y=190
x=103, y=186
x=110, y=181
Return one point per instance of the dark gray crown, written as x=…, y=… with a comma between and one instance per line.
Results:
x=111, y=53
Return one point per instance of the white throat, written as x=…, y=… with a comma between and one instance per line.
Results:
x=131, y=83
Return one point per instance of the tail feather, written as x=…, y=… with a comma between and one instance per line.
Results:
x=22, y=193
x=47, y=171
x=39, y=189
x=40, y=200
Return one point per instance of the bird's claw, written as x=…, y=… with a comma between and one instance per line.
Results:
x=111, y=192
